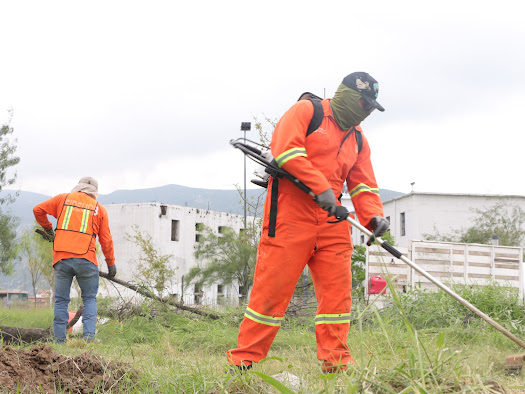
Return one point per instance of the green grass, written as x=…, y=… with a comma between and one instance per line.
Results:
x=26, y=317
x=420, y=344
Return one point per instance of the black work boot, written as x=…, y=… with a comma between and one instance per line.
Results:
x=234, y=369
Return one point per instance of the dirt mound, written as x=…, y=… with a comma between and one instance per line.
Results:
x=42, y=369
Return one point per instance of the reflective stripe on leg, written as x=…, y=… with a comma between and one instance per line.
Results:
x=263, y=319
x=337, y=318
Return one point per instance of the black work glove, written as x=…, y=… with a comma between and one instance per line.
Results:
x=379, y=225
x=49, y=234
x=341, y=213
x=326, y=200
x=112, y=270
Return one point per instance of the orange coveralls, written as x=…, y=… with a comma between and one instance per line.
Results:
x=303, y=235
x=68, y=242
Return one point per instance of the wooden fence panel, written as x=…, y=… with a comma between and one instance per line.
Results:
x=451, y=263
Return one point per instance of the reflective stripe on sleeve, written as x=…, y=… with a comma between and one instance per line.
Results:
x=337, y=318
x=290, y=154
x=363, y=188
x=262, y=319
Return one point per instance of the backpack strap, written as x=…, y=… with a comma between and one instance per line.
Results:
x=359, y=140
x=318, y=115
x=273, y=207
x=317, y=118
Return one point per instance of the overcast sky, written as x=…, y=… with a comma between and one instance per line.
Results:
x=141, y=94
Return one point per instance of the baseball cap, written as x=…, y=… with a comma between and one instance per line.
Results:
x=366, y=85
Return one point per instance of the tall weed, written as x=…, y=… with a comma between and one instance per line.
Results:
x=436, y=309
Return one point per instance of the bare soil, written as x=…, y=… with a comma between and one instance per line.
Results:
x=42, y=370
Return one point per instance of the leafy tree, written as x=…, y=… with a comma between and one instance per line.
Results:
x=8, y=223
x=358, y=266
x=264, y=135
x=38, y=253
x=7, y=158
x=229, y=258
x=153, y=268
x=503, y=219
x=436, y=235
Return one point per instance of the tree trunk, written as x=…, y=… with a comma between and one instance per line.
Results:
x=147, y=293
x=18, y=335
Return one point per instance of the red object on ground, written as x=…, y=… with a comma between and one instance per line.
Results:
x=376, y=285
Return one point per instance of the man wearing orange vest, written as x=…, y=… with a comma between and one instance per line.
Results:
x=296, y=228
x=80, y=219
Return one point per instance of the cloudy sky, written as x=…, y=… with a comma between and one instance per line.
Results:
x=147, y=93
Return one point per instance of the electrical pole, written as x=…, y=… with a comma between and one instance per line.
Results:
x=245, y=126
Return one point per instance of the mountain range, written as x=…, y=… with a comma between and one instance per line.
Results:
x=229, y=201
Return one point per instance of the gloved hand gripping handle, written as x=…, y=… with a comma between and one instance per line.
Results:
x=48, y=236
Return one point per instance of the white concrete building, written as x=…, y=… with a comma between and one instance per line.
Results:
x=174, y=230
x=415, y=214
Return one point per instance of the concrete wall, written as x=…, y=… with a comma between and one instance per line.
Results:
x=156, y=219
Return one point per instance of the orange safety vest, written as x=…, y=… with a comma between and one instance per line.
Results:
x=74, y=230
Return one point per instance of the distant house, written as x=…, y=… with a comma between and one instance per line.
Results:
x=415, y=214
x=43, y=298
x=174, y=230
x=10, y=298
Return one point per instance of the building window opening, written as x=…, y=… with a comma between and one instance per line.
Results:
x=222, y=229
x=221, y=300
x=362, y=239
x=403, y=224
x=197, y=293
x=175, y=230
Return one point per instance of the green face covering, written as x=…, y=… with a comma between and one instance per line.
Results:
x=346, y=108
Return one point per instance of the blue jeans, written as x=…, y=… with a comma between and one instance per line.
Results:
x=87, y=278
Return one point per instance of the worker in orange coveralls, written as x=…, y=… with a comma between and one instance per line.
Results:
x=80, y=220
x=297, y=230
